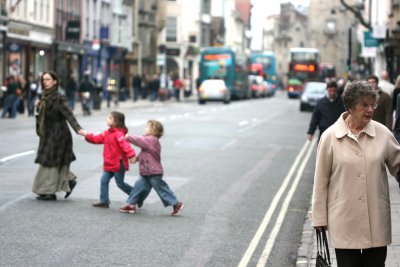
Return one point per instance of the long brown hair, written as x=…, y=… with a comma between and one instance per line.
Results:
x=119, y=119
x=52, y=74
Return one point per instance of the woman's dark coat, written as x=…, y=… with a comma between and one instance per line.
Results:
x=55, y=148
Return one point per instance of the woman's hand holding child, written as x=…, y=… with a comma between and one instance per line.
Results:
x=82, y=132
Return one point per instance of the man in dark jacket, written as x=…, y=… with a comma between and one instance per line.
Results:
x=384, y=111
x=327, y=111
x=86, y=90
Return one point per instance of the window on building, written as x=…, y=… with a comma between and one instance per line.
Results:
x=41, y=10
x=87, y=26
x=104, y=10
x=48, y=11
x=25, y=7
x=206, y=6
x=192, y=38
x=35, y=9
x=171, y=26
x=95, y=31
x=120, y=29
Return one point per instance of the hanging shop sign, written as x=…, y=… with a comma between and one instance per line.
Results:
x=73, y=30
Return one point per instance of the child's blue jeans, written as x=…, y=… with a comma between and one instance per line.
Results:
x=143, y=186
x=119, y=180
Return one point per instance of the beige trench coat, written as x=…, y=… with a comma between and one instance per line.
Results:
x=351, y=192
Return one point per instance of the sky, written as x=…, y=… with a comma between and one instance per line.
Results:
x=263, y=8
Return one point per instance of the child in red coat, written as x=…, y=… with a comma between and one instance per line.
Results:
x=116, y=153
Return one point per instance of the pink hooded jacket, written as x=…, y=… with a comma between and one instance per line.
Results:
x=150, y=156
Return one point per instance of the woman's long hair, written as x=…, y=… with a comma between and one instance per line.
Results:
x=119, y=119
x=53, y=75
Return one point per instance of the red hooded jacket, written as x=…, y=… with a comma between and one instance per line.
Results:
x=116, y=148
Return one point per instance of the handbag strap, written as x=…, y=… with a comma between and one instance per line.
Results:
x=322, y=245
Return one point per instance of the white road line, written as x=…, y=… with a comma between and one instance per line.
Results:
x=243, y=123
x=264, y=223
x=279, y=221
x=256, y=123
x=228, y=144
x=6, y=205
x=16, y=156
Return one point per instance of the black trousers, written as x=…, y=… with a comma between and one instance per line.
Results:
x=371, y=257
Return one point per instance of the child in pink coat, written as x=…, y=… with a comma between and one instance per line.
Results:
x=151, y=171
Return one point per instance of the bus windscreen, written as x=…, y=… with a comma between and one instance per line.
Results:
x=217, y=65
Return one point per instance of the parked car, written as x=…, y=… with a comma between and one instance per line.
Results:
x=214, y=90
x=269, y=89
x=257, y=86
x=313, y=91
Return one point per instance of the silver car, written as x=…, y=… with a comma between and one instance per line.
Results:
x=214, y=90
x=313, y=91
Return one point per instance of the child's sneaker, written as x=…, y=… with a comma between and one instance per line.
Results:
x=128, y=209
x=177, y=208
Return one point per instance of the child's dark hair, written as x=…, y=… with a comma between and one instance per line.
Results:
x=119, y=119
x=156, y=128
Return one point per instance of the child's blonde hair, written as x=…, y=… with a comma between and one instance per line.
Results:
x=156, y=128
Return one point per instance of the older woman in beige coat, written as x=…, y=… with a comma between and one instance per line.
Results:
x=351, y=192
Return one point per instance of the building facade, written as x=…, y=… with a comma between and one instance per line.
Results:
x=292, y=31
x=29, y=37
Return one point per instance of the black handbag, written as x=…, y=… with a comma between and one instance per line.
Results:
x=323, y=257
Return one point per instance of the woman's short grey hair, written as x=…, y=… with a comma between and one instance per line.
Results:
x=356, y=90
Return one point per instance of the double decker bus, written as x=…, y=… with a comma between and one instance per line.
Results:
x=303, y=67
x=228, y=65
x=264, y=64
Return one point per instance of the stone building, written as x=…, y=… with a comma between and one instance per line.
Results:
x=332, y=30
x=292, y=31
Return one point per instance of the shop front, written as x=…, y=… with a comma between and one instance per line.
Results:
x=68, y=60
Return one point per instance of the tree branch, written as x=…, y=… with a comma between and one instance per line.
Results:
x=358, y=14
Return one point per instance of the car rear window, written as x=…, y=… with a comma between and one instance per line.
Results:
x=315, y=87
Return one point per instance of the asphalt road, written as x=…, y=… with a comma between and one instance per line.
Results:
x=243, y=170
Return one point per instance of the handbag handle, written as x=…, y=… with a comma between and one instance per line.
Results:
x=322, y=245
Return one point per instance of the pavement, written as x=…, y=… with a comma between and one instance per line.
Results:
x=122, y=105
x=308, y=248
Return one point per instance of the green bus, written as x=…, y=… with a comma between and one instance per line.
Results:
x=226, y=64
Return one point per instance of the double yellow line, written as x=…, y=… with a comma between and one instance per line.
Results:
x=307, y=150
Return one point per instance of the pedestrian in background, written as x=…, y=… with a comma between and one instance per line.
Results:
x=71, y=89
x=86, y=90
x=385, y=84
x=137, y=86
x=396, y=93
x=187, y=83
x=327, y=111
x=351, y=191
x=11, y=99
x=21, y=93
x=116, y=153
x=31, y=94
x=151, y=171
x=154, y=86
x=55, y=153
x=178, y=85
x=384, y=110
